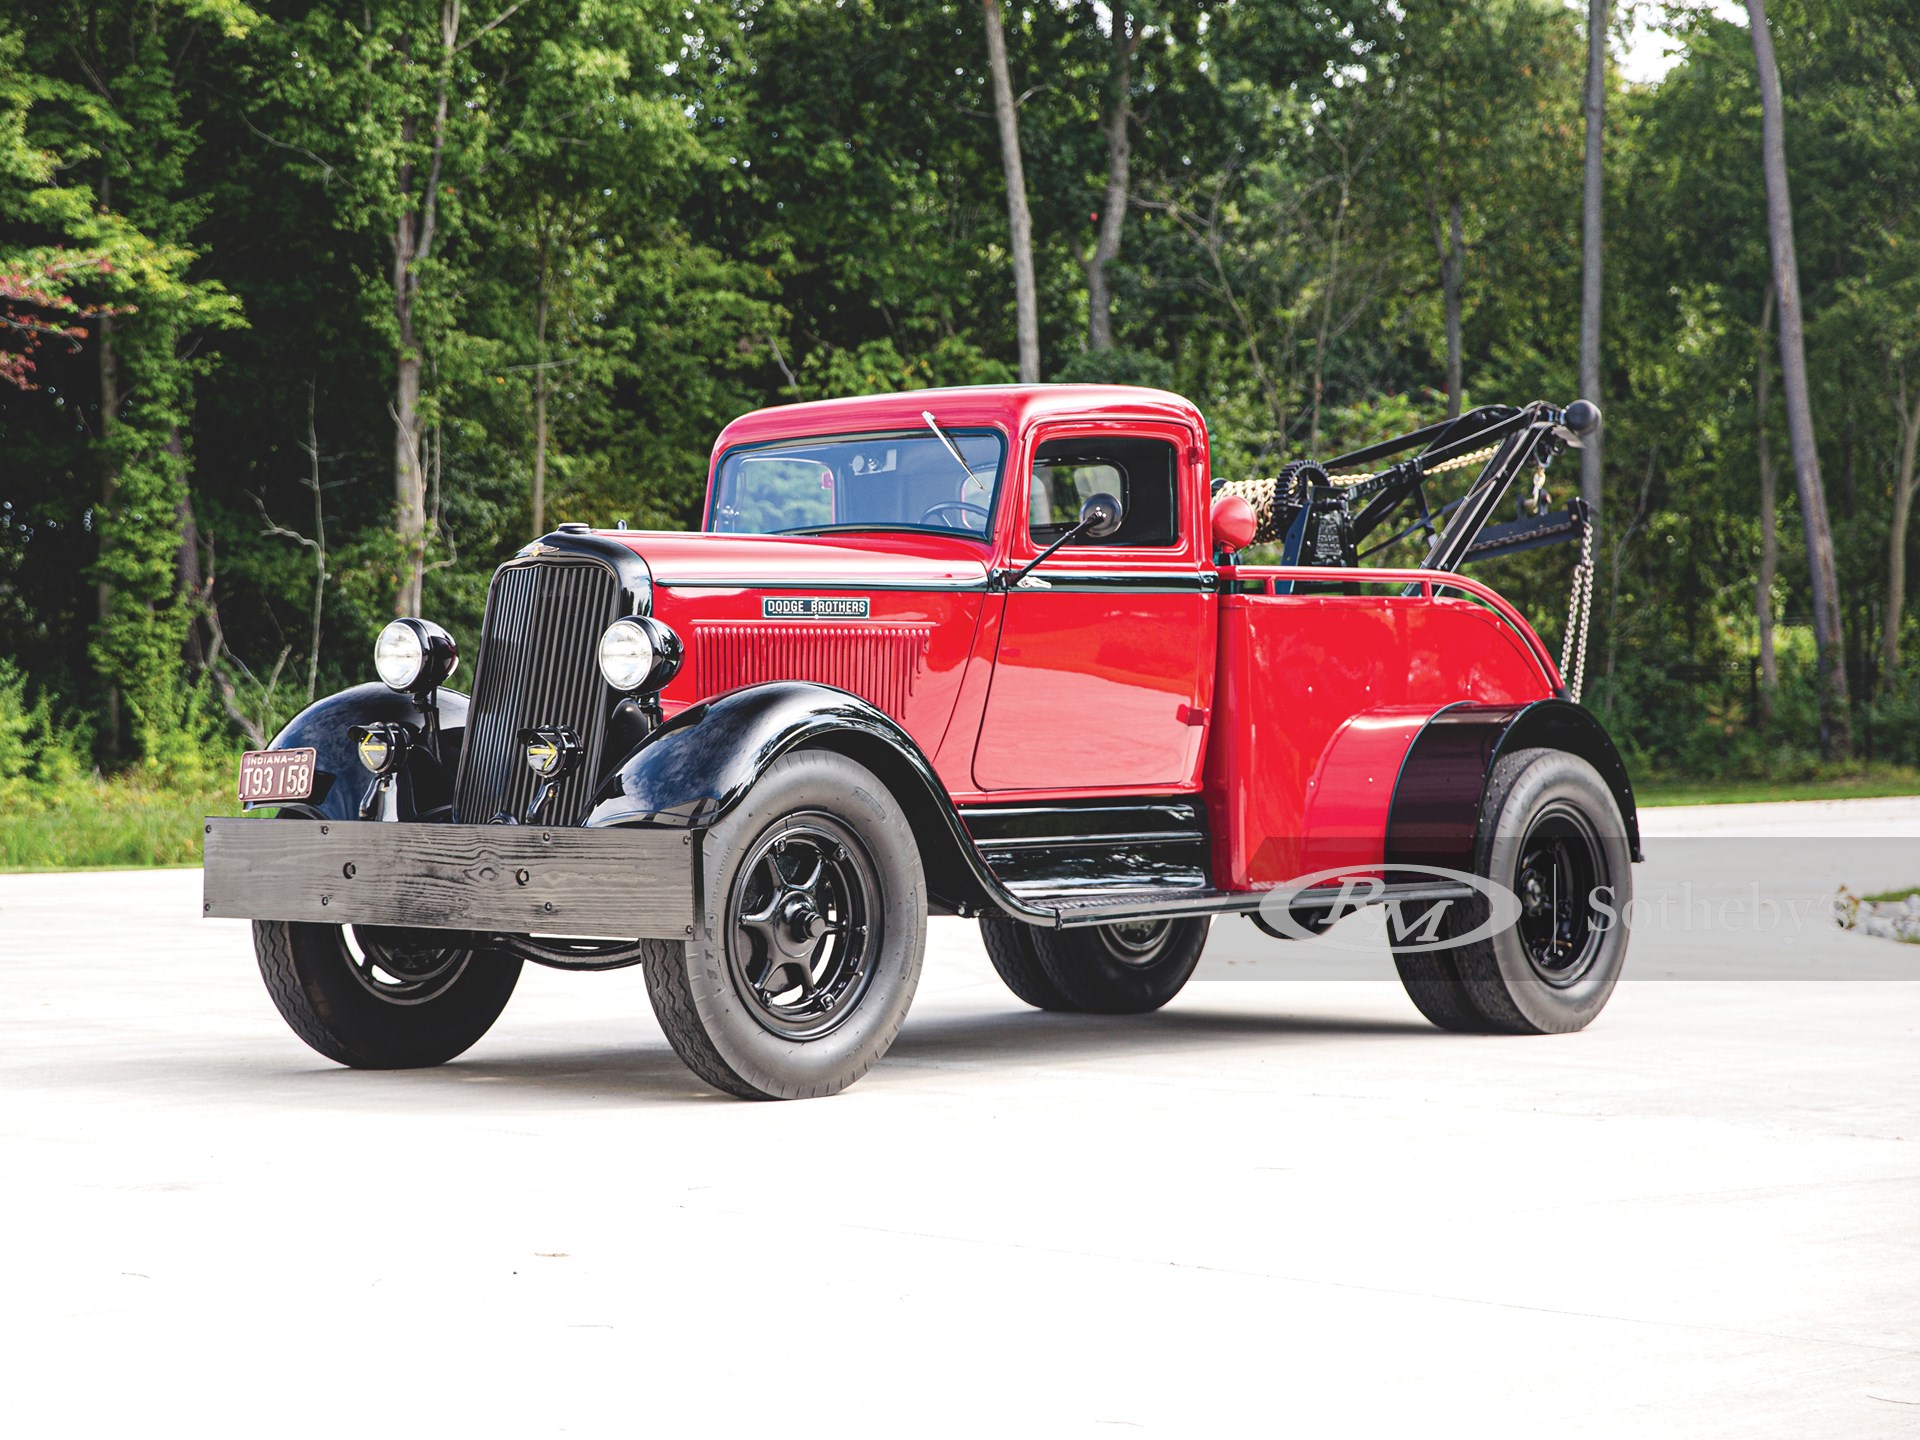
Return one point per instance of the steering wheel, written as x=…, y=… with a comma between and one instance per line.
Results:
x=965, y=508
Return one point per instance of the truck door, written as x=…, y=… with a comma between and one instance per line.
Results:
x=1103, y=670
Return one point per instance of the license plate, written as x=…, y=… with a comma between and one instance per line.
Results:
x=267, y=776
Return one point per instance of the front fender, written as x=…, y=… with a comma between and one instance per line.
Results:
x=699, y=765
x=424, y=786
x=696, y=767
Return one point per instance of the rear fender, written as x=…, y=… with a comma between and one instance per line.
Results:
x=1350, y=793
x=699, y=765
x=340, y=781
x=1435, y=817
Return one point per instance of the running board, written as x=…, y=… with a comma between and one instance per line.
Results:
x=1072, y=912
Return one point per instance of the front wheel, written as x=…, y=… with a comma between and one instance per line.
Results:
x=378, y=998
x=816, y=925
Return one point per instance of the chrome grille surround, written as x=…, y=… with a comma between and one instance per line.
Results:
x=538, y=665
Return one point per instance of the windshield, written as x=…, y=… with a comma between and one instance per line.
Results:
x=900, y=480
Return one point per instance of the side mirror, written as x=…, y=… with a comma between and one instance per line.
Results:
x=1099, y=517
x=1234, y=523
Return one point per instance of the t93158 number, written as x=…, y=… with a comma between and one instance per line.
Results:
x=267, y=776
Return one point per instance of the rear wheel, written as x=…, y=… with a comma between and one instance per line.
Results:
x=816, y=928
x=380, y=998
x=1551, y=834
x=1125, y=969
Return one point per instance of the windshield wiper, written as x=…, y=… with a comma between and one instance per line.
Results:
x=952, y=449
x=881, y=525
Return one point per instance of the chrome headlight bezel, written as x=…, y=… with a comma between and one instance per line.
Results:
x=414, y=656
x=638, y=655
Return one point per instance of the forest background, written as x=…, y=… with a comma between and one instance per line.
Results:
x=312, y=313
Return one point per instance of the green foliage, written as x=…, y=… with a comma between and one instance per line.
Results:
x=39, y=755
x=57, y=812
x=1119, y=366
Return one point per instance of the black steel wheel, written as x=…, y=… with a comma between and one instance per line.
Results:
x=806, y=925
x=1561, y=859
x=379, y=998
x=1125, y=969
x=1551, y=833
x=815, y=928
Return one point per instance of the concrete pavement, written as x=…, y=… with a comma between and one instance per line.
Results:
x=1271, y=1206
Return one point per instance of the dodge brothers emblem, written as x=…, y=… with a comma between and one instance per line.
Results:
x=813, y=607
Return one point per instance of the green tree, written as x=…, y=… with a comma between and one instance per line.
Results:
x=107, y=146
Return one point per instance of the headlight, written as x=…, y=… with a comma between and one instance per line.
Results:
x=637, y=652
x=415, y=655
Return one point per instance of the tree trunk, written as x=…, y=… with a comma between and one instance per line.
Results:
x=319, y=547
x=1904, y=485
x=1452, y=250
x=409, y=479
x=187, y=580
x=540, y=393
x=1332, y=284
x=1836, y=720
x=412, y=248
x=1591, y=261
x=1113, y=212
x=1769, y=520
x=109, y=419
x=1026, y=297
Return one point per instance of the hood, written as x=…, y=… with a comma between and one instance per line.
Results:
x=883, y=560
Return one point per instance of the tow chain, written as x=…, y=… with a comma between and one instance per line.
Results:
x=1573, y=645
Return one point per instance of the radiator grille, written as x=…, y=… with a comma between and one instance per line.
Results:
x=879, y=663
x=537, y=666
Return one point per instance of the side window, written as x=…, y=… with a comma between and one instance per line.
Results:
x=1139, y=473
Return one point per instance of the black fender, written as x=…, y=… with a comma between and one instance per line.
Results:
x=696, y=767
x=340, y=781
x=1434, y=816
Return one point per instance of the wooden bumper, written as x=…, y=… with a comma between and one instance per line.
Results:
x=511, y=879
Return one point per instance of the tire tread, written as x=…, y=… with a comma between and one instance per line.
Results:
x=1010, y=946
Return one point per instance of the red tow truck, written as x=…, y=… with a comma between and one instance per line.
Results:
x=986, y=652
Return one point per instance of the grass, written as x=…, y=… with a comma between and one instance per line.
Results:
x=125, y=822
x=114, y=824
x=1864, y=785
x=1886, y=896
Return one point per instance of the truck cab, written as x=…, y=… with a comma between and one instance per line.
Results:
x=1090, y=673
x=987, y=652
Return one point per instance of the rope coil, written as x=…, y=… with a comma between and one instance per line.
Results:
x=1276, y=499
x=1459, y=462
